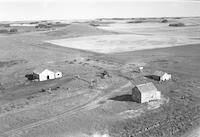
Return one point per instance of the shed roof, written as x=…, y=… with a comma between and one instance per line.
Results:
x=146, y=87
x=40, y=70
x=56, y=71
x=159, y=73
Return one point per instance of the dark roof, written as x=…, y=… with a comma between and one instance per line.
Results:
x=147, y=87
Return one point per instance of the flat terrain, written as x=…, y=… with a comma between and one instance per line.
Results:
x=136, y=36
x=69, y=106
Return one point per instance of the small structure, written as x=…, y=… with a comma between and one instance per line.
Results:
x=161, y=76
x=43, y=74
x=104, y=74
x=46, y=74
x=145, y=92
x=57, y=74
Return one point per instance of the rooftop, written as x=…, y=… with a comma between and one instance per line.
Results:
x=146, y=87
x=159, y=73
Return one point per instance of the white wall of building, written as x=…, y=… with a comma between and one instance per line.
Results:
x=46, y=74
x=58, y=74
x=165, y=77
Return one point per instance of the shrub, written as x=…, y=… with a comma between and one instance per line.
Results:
x=43, y=26
x=136, y=21
x=164, y=21
x=36, y=22
x=176, y=24
x=13, y=30
x=94, y=24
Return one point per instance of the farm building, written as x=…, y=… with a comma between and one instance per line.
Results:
x=145, y=92
x=161, y=76
x=45, y=74
x=57, y=74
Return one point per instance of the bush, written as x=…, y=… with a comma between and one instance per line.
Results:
x=164, y=21
x=42, y=26
x=36, y=22
x=94, y=25
x=13, y=30
x=136, y=21
x=176, y=24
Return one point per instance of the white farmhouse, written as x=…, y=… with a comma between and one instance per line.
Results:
x=161, y=76
x=145, y=92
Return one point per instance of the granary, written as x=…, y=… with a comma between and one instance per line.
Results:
x=145, y=92
x=45, y=74
x=161, y=76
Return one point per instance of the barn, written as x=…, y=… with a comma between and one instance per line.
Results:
x=43, y=74
x=145, y=92
x=161, y=76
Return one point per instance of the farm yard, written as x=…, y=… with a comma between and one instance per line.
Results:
x=101, y=62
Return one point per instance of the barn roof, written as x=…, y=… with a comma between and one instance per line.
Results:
x=146, y=87
x=55, y=70
x=38, y=70
x=159, y=73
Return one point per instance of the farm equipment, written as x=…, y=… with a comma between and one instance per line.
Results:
x=92, y=83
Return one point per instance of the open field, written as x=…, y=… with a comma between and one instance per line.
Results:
x=123, y=42
x=70, y=107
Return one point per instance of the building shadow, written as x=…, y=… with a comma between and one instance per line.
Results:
x=149, y=76
x=30, y=77
x=153, y=77
x=126, y=97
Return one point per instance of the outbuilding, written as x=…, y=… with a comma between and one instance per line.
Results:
x=57, y=74
x=43, y=74
x=145, y=92
x=161, y=76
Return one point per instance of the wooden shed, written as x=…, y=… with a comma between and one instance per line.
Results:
x=145, y=92
x=161, y=76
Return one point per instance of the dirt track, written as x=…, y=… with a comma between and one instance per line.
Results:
x=90, y=104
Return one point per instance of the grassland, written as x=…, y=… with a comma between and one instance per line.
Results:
x=70, y=107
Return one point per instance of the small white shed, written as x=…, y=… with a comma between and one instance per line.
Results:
x=145, y=92
x=161, y=76
x=57, y=74
x=43, y=74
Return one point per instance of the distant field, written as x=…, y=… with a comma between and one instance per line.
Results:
x=148, y=34
x=122, y=43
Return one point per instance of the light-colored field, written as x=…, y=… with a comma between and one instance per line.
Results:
x=122, y=42
x=136, y=36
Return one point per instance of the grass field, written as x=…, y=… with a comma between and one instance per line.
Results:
x=70, y=107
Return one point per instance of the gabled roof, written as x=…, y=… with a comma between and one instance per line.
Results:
x=40, y=70
x=159, y=73
x=147, y=87
x=55, y=70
